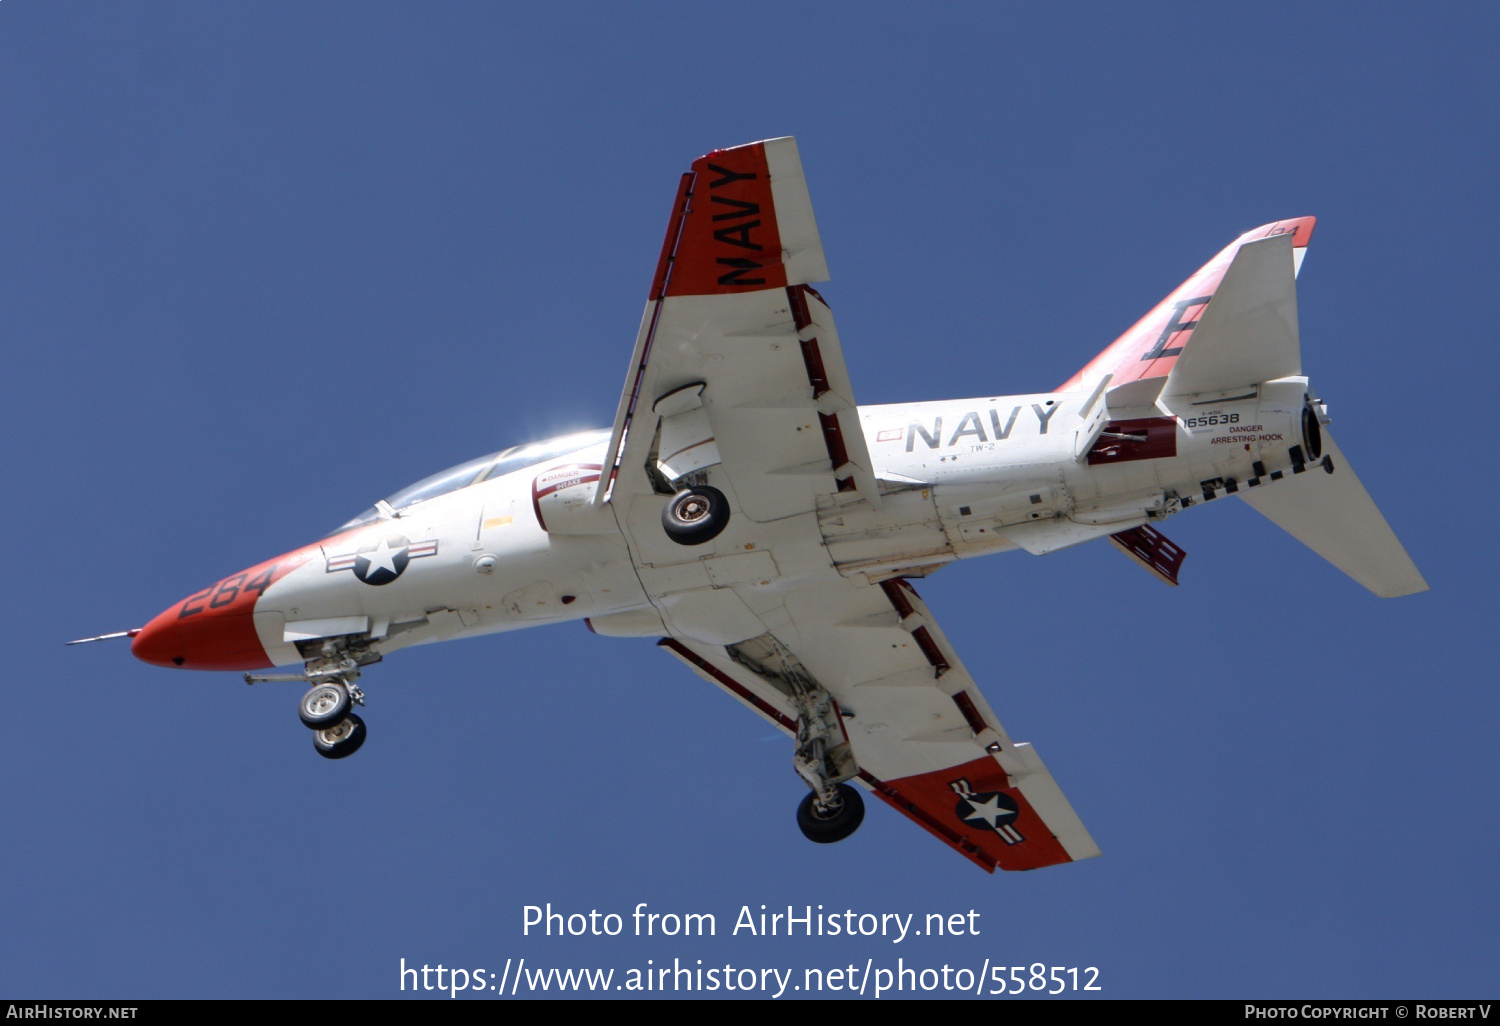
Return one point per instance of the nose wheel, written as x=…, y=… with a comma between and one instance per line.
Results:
x=324, y=705
x=327, y=706
x=327, y=709
x=340, y=740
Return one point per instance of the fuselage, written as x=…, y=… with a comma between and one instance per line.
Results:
x=503, y=543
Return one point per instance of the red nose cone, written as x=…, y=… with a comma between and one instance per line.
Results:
x=215, y=628
x=211, y=640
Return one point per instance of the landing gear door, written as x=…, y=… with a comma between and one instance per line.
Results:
x=687, y=438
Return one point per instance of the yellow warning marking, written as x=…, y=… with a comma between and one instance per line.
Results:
x=498, y=521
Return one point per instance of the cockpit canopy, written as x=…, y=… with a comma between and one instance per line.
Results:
x=485, y=468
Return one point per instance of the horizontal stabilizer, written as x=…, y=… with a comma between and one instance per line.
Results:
x=1248, y=333
x=1335, y=517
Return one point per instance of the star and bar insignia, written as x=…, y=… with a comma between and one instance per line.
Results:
x=383, y=560
x=990, y=810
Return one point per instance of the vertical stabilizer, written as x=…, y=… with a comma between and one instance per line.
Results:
x=1248, y=333
x=1151, y=347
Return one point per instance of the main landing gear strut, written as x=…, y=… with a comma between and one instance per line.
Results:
x=327, y=707
x=832, y=810
x=823, y=758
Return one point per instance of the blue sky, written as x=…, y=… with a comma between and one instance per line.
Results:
x=262, y=264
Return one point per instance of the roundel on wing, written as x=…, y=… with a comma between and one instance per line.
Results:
x=990, y=810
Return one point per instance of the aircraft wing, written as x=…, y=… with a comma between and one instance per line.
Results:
x=730, y=308
x=738, y=377
x=925, y=739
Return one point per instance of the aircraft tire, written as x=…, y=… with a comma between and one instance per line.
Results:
x=342, y=740
x=324, y=705
x=827, y=830
x=695, y=515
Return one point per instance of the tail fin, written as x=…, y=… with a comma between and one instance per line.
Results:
x=1150, y=349
x=1249, y=332
x=1336, y=518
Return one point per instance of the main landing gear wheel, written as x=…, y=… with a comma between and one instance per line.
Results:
x=834, y=824
x=324, y=705
x=341, y=740
x=695, y=515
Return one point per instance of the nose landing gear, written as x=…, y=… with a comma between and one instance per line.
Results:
x=324, y=705
x=342, y=739
x=326, y=708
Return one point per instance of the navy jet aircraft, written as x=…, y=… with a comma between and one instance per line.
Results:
x=743, y=509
